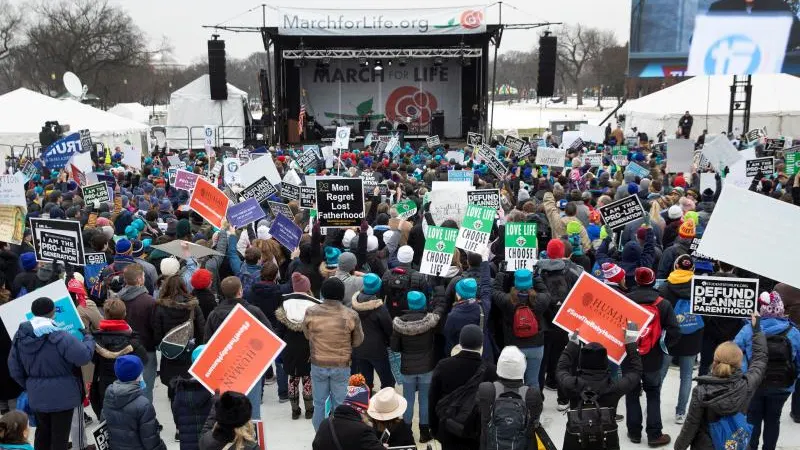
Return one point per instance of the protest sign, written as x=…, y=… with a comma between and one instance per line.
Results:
x=432, y=141
x=237, y=354
x=290, y=192
x=285, y=232
x=622, y=212
x=101, y=438
x=755, y=135
x=59, y=152
x=637, y=170
x=792, y=163
x=450, y=203
x=765, y=165
x=29, y=170
x=13, y=209
x=489, y=156
x=95, y=194
x=340, y=202
x=95, y=263
x=474, y=140
x=708, y=180
x=485, y=197
x=77, y=176
x=342, y=140
x=208, y=138
x=719, y=152
x=209, y=202
x=308, y=197
x=66, y=314
x=454, y=155
x=619, y=155
x=257, y=168
x=520, y=240
x=547, y=156
x=693, y=250
x=260, y=190
x=380, y=149
x=724, y=297
x=185, y=180
x=58, y=240
x=83, y=161
x=460, y=175
x=244, y=155
x=280, y=209
x=406, y=209
x=568, y=138
x=245, y=213
x=132, y=157
x=680, y=155
x=473, y=236
x=524, y=152
x=440, y=244
x=232, y=174
x=96, y=258
x=514, y=144
x=600, y=314
x=737, y=172
x=513, y=132
x=593, y=159
x=774, y=144
x=370, y=181
x=172, y=173
x=308, y=159
x=592, y=133
x=174, y=160
x=86, y=141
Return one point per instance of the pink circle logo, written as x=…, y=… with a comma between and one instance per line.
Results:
x=409, y=101
x=471, y=19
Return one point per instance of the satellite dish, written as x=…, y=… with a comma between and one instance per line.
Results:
x=73, y=84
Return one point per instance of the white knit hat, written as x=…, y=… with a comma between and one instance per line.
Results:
x=405, y=254
x=372, y=243
x=170, y=266
x=511, y=364
x=675, y=212
x=348, y=237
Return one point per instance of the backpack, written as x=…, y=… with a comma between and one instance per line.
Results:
x=590, y=424
x=179, y=340
x=730, y=432
x=508, y=419
x=456, y=408
x=651, y=334
x=688, y=322
x=780, y=372
x=248, y=280
x=524, y=324
x=543, y=232
x=397, y=285
x=99, y=291
x=558, y=285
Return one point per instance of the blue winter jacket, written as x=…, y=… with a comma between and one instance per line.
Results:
x=464, y=313
x=48, y=367
x=771, y=327
x=131, y=418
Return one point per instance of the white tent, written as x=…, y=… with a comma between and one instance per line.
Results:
x=24, y=112
x=191, y=109
x=134, y=111
x=775, y=105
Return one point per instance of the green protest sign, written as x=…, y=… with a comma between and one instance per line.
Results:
x=792, y=163
x=475, y=229
x=406, y=209
x=520, y=246
x=619, y=155
x=440, y=244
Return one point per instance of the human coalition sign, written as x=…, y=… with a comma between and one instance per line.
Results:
x=724, y=297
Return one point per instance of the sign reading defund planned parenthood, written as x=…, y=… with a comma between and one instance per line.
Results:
x=724, y=297
x=622, y=212
x=340, y=202
x=484, y=197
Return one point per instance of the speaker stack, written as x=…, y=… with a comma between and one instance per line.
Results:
x=217, y=74
x=545, y=85
x=437, y=124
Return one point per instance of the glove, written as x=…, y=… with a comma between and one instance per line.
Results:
x=573, y=337
x=364, y=226
x=631, y=333
x=755, y=321
x=603, y=233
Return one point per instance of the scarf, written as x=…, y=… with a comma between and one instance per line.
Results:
x=76, y=287
x=680, y=276
x=114, y=325
x=43, y=325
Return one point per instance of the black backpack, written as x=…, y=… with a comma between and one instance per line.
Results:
x=590, y=424
x=508, y=419
x=781, y=372
x=396, y=287
x=457, y=408
x=559, y=283
x=543, y=232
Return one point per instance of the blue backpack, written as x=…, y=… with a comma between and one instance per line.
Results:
x=730, y=432
x=689, y=323
x=248, y=280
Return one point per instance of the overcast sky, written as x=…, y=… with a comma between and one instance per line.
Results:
x=181, y=21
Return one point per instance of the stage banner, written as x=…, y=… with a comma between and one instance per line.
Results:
x=383, y=22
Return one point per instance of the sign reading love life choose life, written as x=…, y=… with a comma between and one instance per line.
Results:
x=473, y=236
x=724, y=297
x=440, y=245
x=520, y=240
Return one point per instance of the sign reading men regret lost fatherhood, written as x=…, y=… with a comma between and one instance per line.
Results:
x=340, y=202
x=724, y=297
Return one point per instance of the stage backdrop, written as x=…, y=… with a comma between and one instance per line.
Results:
x=347, y=92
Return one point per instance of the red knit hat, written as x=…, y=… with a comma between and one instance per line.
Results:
x=644, y=276
x=300, y=283
x=201, y=279
x=613, y=273
x=679, y=181
x=555, y=249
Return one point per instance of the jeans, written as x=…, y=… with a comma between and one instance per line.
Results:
x=416, y=383
x=53, y=429
x=327, y=382
x=651, y=385
x=533, y=364
x=766, y=407
x=686, y=364
x=368, y=367
x=149, y=375
x=255, y=400
x=283, y=381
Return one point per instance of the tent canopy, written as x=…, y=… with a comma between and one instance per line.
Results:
x=191, y=109
x=775, y=105
x=133, y=111
x=24, y=112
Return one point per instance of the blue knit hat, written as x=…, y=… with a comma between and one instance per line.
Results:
x=523, y=279
x=196, y=352
x=416, y=301
x=467, y=288
x=128, y=368
x=332, y=257
x=123, y=246
x=165, y=205
x=28, y=260
x=372, y=284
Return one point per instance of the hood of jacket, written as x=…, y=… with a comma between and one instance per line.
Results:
x=451, y=272
x=129, y=293
x=292, y=312
x=365, y=302
x=325, y=271
x=632, y=252
x=415, y=323
x=643, y=295
x=551, y=265
x=120, y=394
x=179, y=302
x=29, y=343
x=723, y=396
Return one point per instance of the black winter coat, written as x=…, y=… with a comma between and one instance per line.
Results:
x=377, y=326
x=220, y=313
x=28, y=280
x=191, y=405
x=688, y=344
x=296, y=356
x=131, y=418
x=111, y=342
x=651, y=362
x=413, y=339
x=665, y=266
x=351, y=431
x=206, y=299
x=168, y=314
x=268, y=296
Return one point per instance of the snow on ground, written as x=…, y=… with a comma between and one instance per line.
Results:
x=529, y=114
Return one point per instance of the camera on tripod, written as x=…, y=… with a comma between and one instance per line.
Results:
x=51, y=132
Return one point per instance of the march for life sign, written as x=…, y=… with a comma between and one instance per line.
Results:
x=342, y=140
x=600, y=314
x=554, y=157
x=209, y=202
x=724, y=297
x=520, y=240
x=237, y=355
x=18, y=311
x=440, y=244
x=473, y=236
x=622, y=212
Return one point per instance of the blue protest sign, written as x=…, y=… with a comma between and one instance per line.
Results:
x=286, y=232
x=59, y=152
x=637, y=170
x=66, y=314
x=460, y=175
x=245, y=213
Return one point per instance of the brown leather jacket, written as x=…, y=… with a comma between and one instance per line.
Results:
x=333, y=330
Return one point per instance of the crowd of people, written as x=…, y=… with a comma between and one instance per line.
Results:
x=377, y=353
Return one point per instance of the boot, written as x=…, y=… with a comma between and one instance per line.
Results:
x=424, y=434
x=309, y=404
x=295, y=402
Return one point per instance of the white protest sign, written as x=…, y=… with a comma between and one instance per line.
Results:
x=592, y=133
x=132, y=157
x=232, y=173
x=208, y=138
x=15, y=313
x=454, y=155
x=328, y=155
x=568, y=138
x=13, y=209
x=719, y=152
x=680, y=155
x=546, y=156
x=737, y=172
x=342, y=138
x=291, y=177
x=448, y=204
x=708, y=180
x=260, y=167
x=83, y=161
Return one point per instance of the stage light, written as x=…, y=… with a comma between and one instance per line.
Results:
x=298, y=63
x=378, y=65
x=363, y=61
x=389, y=63
x=466, y=62
x=326, y=62
x=438, y=61
x=402, y=62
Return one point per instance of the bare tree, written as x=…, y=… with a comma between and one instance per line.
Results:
x=519, y=70
x=609, y=70
x=10, y=27
x=578, y=47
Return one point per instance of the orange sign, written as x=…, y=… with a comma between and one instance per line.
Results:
x=238, y=354
x=209, y=202
x=600, y=314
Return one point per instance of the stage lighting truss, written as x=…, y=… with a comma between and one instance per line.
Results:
x=399, y=54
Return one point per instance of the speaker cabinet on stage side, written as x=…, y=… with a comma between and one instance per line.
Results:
x=217, y=74
x=545, y=85
x=437, y=124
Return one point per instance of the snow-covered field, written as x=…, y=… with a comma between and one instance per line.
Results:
x=532, y=115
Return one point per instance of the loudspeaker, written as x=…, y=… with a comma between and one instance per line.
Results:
x=545, y=85
x=437, y=124
x=217, y=74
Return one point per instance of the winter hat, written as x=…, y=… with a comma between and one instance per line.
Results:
x=42, y=306
x=348, y=237
x=332, y=289
x=128, y=368
x=416, y=301
x=679, y=181
x=357, y=397
x=471, y=338
x=300, y=283
x=102, y=222
x=28, y=260
x=137, y=248
x=165, y=205
x=593, y=356
x=644, y=185
x=687, y=229
x=201, y=279
x=555, y=249
x=332, y=257
x=108, y=232
x=633, y=188
x=613, y=273
x=467, y=288
x=771, y=305
x=692, y=216
x=675, y=212
x=170, y=266
x=232, y=409
x=372, y=243
x=684, y=262
x=574, y=227
x=372, y=284
x=523, y=279
x=123, y=246
x=405, y=254
x=707, y=195
x=196, y=352
x=511, y=364
x=183, y=229
x=172, y=227
x=347, y=262
x=644, y=276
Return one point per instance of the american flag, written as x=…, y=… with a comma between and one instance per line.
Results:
x=301, y=120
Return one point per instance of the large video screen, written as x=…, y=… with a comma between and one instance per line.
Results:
x=731, y=37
